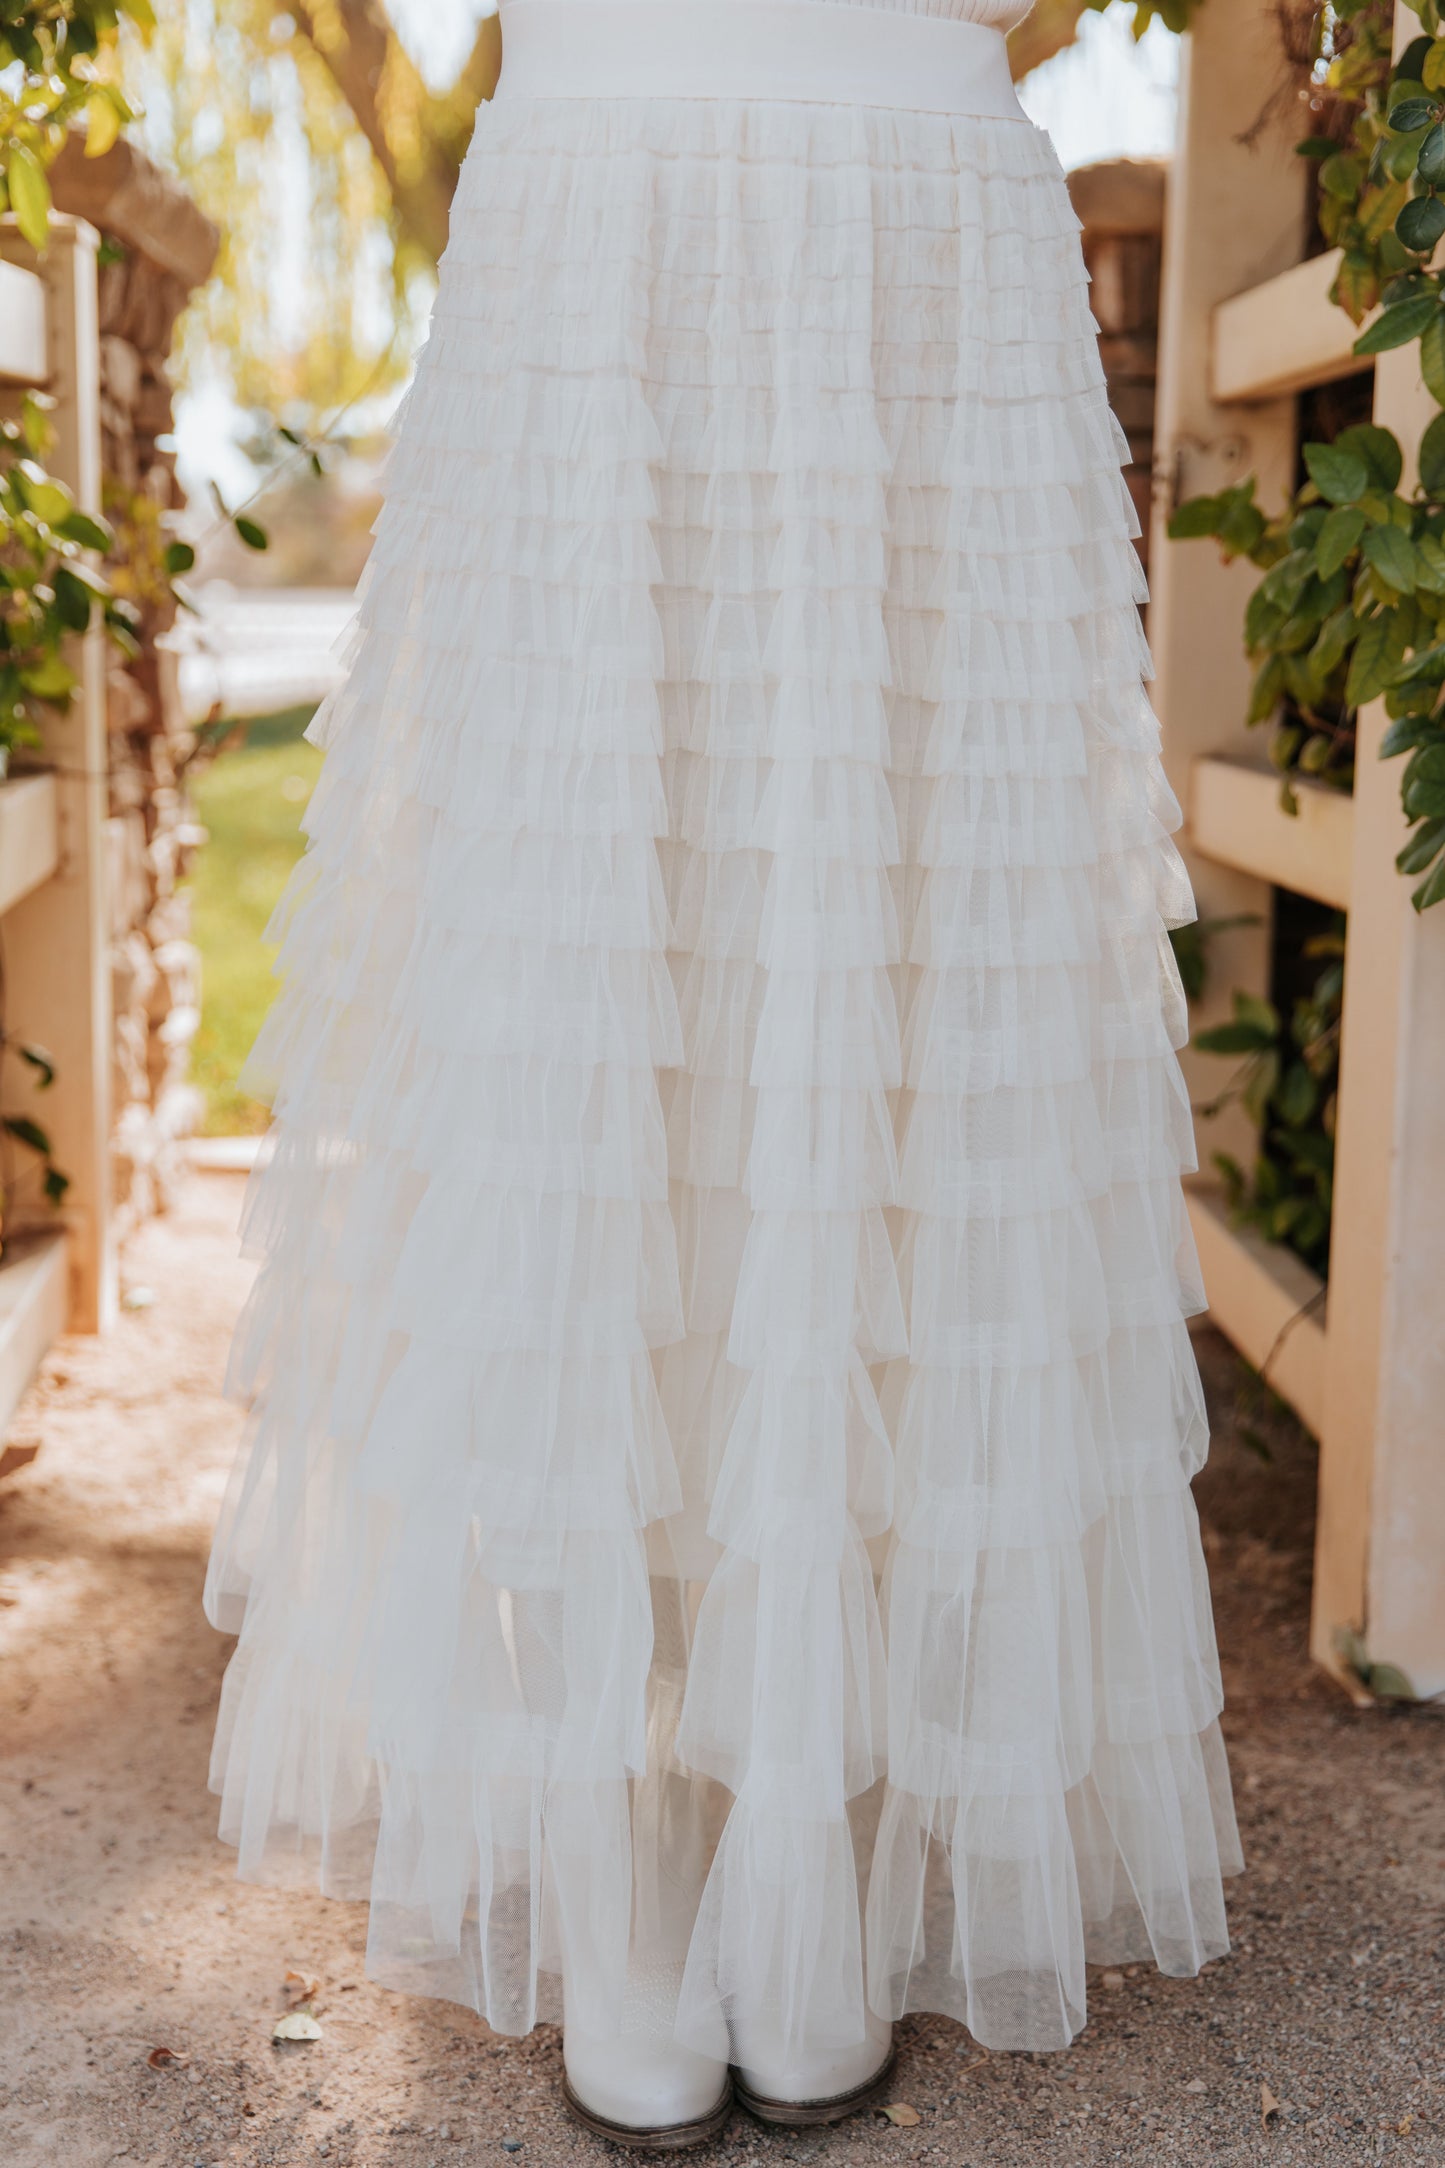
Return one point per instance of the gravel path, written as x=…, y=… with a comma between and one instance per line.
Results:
x=122, y=1930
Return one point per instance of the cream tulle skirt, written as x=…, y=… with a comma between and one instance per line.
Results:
x=716, y=1508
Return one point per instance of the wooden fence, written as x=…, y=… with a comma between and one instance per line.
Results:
x=1246, y=326
x=52, y=888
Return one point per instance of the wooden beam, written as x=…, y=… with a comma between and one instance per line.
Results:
x=1267, y=1302
x=57, y=937
x=1234, y=215
x=1381, y=1534
x=1281, y=336
x=22, y=326
x=1236, y=819
x=29, y=836
x=34, y=1299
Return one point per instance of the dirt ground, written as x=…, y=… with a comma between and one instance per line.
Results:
x=123, y=1931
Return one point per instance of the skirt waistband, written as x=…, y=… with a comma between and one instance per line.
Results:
x=808, y=52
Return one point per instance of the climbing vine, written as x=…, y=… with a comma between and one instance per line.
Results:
x=1351, y=607
x=56, y=75
x=1352, y=604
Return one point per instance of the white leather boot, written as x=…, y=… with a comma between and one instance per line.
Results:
x=637, y=2085
x=811, y=2087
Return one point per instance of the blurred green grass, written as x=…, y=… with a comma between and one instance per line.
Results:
x=251, y=801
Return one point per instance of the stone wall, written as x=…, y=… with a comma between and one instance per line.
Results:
x=1121, y=204
x=159, y=249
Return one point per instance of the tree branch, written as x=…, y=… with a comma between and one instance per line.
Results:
x=356, y=43
x=1052, y=25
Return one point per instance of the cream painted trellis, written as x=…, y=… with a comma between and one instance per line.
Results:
x=1245, y=325
x=52, y=873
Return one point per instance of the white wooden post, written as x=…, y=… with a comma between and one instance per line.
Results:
x=1380, y=1550
x=1235, y=216
x=55, y=936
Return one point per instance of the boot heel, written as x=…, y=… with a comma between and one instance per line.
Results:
x=804, y=2114
x=663, y=2137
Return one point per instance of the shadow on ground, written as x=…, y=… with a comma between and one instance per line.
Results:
x=121, y=1929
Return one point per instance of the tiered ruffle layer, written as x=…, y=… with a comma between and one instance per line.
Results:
x=723, y=1410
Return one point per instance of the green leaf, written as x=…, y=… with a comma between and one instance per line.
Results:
x=1430, y=565
x=1428, y=762
x=90, y=533
x=1430, y=165
x=74, y=600
x=1340, y=477
x=1432, y=458
x=1431, y=890
x=1285, y=582
x=1266, y=691
x=25, y=1131
x=1392, y=554
x=1380, y=450
x=1392, y=256
x=1390, y=1683
x=1408, y=114
x=179, y=558
x=43, y=495
x=1432, y=356
x=1397, y=325
x=1432, y=67
x=1376, y=213
x=1425, y=668
x=254, y=537
x=1378, y=649
x=1255, y=1009
x=1243, y=526
x=1343, y=175
x=1197, y=517
x=29, y=195
x=1425, y=800
x=1421, y=223
x=36, y=1058
x=1339, y=537
x=1333, y=644
x=1399, y=154
x=1284, y=743
x=1405, y=733
x=1261, y=1086
x=49, y=679
x=1233, y=1039
x=1298, y=1095
x=1423, y=847
x=1303, y=530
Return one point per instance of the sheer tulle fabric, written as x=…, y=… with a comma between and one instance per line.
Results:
x=723, y=1416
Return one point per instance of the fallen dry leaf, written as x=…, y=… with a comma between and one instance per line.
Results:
x=1405, y=2125
x=15, y=1457
x=296, y=2025
x=898, y=2111
x=299, y=1987
x=163, y=2058
x=1268, y=2105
